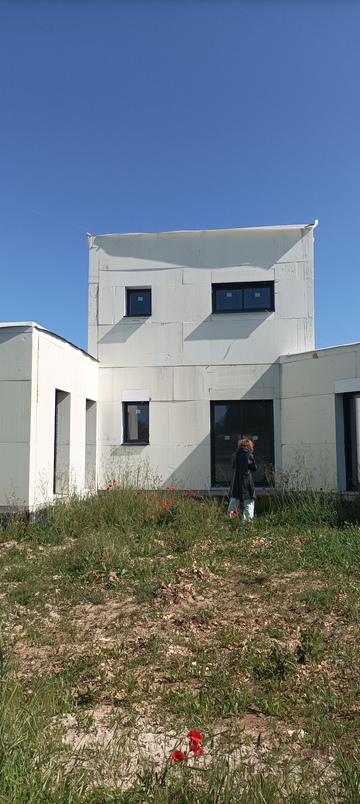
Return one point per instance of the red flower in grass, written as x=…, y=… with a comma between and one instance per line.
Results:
x=114, y=481
x=195, y=748
x=190, y=491
x=178, y=756
x=195, y=740
x=195, y=735
x=183, y=495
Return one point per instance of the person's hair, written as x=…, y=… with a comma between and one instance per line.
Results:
x=246, y=442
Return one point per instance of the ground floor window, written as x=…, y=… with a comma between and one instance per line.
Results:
x=351, y=407
x=61, y=442
x=136, y=422
x=90, y=444
x=233, y=420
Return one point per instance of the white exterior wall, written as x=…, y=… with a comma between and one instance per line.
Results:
x=33, y=364
x=183, y=353
x=312, y=437
x=15, y=410
x=58, y=365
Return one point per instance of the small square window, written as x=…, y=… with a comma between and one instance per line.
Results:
x=138, y=302
x=244, y=297
x=136, y=422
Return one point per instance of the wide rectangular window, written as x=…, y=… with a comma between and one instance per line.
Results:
x=233, y=420
x=62, y=442
x=138, y=302
x=243, y=297
x=136, y=422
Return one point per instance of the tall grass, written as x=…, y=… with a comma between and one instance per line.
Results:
x=202, y=657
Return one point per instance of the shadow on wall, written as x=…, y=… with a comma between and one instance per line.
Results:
x=132, y=466
x=221, y=327
x=121, y=331
x=212, y=328
x=210, y=249
x=187, y=465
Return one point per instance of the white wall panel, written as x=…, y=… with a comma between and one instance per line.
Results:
x=179, y=424
x=190, y=382
x=141, y=343
x=242, y=273
x=14, y=475
x=308, y=419
x=15, y=353
x=310, y=465
x=15, y=408
x=154, y=275
x=316, y=373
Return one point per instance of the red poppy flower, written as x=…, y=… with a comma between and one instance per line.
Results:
x=195, y=736
x=183, y=495
x=190, y=492
x=196, y=748
x=114, y=481
x=178, y=756
x=203, y=505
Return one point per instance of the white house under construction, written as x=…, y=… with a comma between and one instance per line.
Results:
x=195, y=338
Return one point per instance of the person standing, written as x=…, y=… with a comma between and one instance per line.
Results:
x=242, y=489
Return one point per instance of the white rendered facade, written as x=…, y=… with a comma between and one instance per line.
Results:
x=184, y=359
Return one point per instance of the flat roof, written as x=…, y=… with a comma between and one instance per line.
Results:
x=34, y=325
x=211, y=231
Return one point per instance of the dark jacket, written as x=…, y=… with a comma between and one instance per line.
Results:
x=243, y=464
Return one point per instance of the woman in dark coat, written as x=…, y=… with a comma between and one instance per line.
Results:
x=242, y=488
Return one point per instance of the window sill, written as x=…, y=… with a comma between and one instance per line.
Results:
x=135, y=443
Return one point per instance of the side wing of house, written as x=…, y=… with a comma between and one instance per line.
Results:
x=15, y=415
x=320, y=429
x=48, y=417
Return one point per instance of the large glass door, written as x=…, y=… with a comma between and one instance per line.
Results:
x=233, y=420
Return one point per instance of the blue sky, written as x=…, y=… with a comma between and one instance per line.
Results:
x=153, y=116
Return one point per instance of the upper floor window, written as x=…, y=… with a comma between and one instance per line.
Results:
x=138, y=301
x=243, y=297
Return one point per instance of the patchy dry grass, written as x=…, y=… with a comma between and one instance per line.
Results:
x=129, y=619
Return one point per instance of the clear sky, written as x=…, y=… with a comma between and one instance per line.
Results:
x=157, y=115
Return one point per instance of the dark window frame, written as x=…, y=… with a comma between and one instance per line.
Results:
x=127, y=439
x=130, y=293
x=241, y=286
